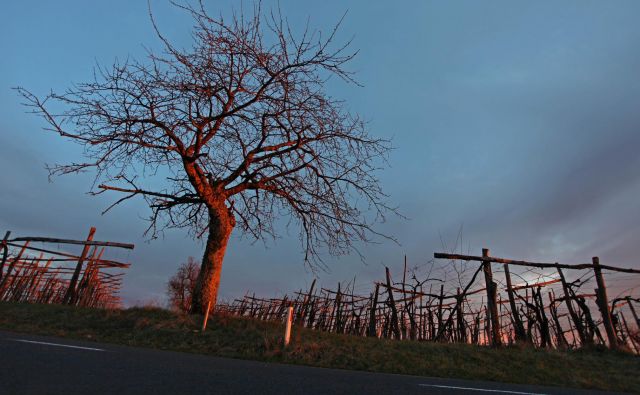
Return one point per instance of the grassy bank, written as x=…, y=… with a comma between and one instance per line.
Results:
x=248, y=339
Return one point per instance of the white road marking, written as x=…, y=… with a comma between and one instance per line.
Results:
x=480, y=389
x=57, y=344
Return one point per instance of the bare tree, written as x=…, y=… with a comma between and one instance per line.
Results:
x=182, y=284
x=241, y=131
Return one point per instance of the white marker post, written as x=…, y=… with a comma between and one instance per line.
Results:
x=287, y=330
x=206, y=317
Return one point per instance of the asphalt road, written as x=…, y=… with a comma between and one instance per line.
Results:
x=47, y=365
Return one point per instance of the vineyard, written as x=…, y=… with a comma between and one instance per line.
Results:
x=46, y=275
x=482, y=300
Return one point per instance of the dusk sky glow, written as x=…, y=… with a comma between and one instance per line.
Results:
x=516, y=122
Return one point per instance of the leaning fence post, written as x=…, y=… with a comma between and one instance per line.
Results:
x=206, y=317
x=70, y=296
x=491, y=298
x=603, y=304
x=287, y=329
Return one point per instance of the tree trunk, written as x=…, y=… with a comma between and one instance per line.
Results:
x=221, y=223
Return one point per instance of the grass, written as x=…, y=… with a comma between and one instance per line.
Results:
x=244, y=338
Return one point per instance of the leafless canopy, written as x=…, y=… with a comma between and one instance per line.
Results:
x=240, y=118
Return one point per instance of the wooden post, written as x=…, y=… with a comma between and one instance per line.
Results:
x=84, y=278
x=603, y=304
x=287, y=329
x=372, y=315
x=5, y=251
x=302, y=314
x=338, y=302
x=487, y=327
x=206, y=317
x=70, y=296
x=492, y=306
x=521, y=335
x=441, y=327
x=392, y=304
x=462, y=333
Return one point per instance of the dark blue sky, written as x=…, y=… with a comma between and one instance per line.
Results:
x=518, y=121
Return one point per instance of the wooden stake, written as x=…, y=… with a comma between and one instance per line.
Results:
x=603, y=304
x=439, y=313
x=492, y=306
x=372, y=315
x=392, y=304
x=338, y=314
x=70, y=296
x=302, y=314
x=462, y=334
